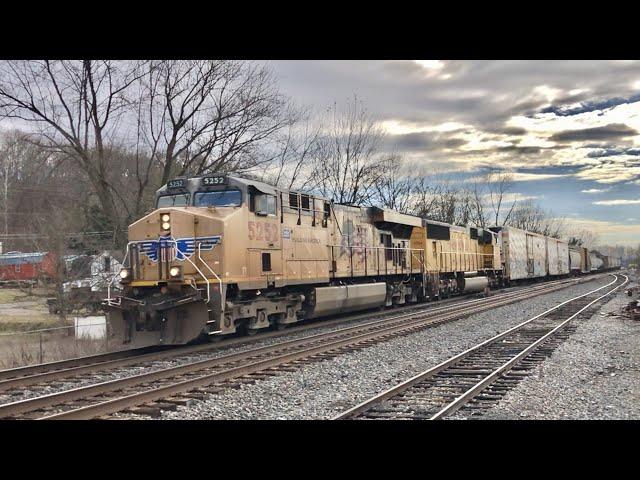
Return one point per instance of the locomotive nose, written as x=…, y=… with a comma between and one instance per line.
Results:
x=172, y=243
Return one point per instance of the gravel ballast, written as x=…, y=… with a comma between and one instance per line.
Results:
x=594, y=374
x=324, y=389
x=215, y=352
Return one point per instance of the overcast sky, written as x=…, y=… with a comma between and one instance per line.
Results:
x=570, y=130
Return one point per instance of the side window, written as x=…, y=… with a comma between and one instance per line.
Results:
x=327, y=213
x=271, y=204
x=293, y=200
x=385, y=239
x=18, y=268
x=265, y=204
x=266, y=262
x=306, y=204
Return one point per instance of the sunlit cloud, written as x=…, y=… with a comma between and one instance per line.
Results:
x=430, y=64
x=399, y=127
x=608, y=231
x=595, y=190
x=617, y=202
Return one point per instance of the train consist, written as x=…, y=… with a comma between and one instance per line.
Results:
x=222, y=254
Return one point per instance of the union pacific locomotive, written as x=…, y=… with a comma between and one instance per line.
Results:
x=222, y=254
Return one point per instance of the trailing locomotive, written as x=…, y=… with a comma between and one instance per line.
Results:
x=221, y=254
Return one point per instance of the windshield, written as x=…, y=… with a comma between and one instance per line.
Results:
x=225, y=198
x=181, y=200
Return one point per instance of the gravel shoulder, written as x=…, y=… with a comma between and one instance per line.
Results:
x=324, y=389
x=594, y=374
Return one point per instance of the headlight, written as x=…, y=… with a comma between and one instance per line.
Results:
x=125, y=274
x=165, y=217
x=174, y=272
x=166, y=225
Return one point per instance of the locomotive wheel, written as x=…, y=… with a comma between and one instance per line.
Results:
x=252, y=331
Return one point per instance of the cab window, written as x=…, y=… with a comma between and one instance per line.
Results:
x=224, y=198
x=265, y=204
x=180, y=200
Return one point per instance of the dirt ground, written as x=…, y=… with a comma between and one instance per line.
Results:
x=20, y=311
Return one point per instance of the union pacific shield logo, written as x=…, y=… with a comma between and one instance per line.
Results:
x=166, y=249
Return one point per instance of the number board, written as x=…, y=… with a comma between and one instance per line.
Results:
x=212, y=181
x=179, y=183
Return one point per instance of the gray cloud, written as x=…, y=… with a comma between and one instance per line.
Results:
x=590, y=106
x=613, y=130
x=513, y=131
x=613, y=152
x=485, y=94
x=422, y=141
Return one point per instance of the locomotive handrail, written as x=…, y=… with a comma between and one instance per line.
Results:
x=110, y=300
x=214, y=274
x=171, y=240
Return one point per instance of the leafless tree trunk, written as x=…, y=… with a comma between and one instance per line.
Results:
x=77, y=106
x=396, y=187
x=349, y=163
x=295, y=157
x=207, y=116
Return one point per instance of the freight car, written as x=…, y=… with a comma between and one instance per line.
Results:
x=222, y=254
x=523, y=253
x=604, y=263
x=580, y=260
x=557, y=257
x=531, y=256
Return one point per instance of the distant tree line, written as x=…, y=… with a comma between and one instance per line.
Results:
x=91, y=141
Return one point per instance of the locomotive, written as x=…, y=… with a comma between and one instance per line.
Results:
x=223, y=254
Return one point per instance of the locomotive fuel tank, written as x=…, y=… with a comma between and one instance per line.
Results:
x=346, y=298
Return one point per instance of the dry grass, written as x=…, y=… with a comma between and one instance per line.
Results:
x=12, y=295
x=20, y=350
x=19, y=311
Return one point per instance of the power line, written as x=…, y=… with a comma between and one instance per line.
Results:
x=18, y=236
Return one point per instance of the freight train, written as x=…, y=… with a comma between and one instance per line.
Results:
x=223, y=254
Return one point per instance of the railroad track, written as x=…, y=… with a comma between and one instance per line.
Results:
x=476, y=379
x=28, y=375
x=44, y=375
x=152, y=391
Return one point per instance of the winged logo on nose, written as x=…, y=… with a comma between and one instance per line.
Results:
x=181, y=249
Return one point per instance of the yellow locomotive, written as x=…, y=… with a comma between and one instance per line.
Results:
x=222, y=254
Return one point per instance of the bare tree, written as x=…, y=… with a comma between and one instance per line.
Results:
x=207, y=116
x=295, y=155
x=396, y=187
x=349, y=163
x=527, y=215
x=580, y=237
x=76, y=105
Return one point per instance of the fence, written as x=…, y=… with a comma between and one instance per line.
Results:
x=52, y=344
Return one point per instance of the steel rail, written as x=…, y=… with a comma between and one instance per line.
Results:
x=30, y=375
x=473, y=391
x=335, y=339
x=398, y=389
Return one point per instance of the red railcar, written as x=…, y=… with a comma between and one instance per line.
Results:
x=26, y=266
